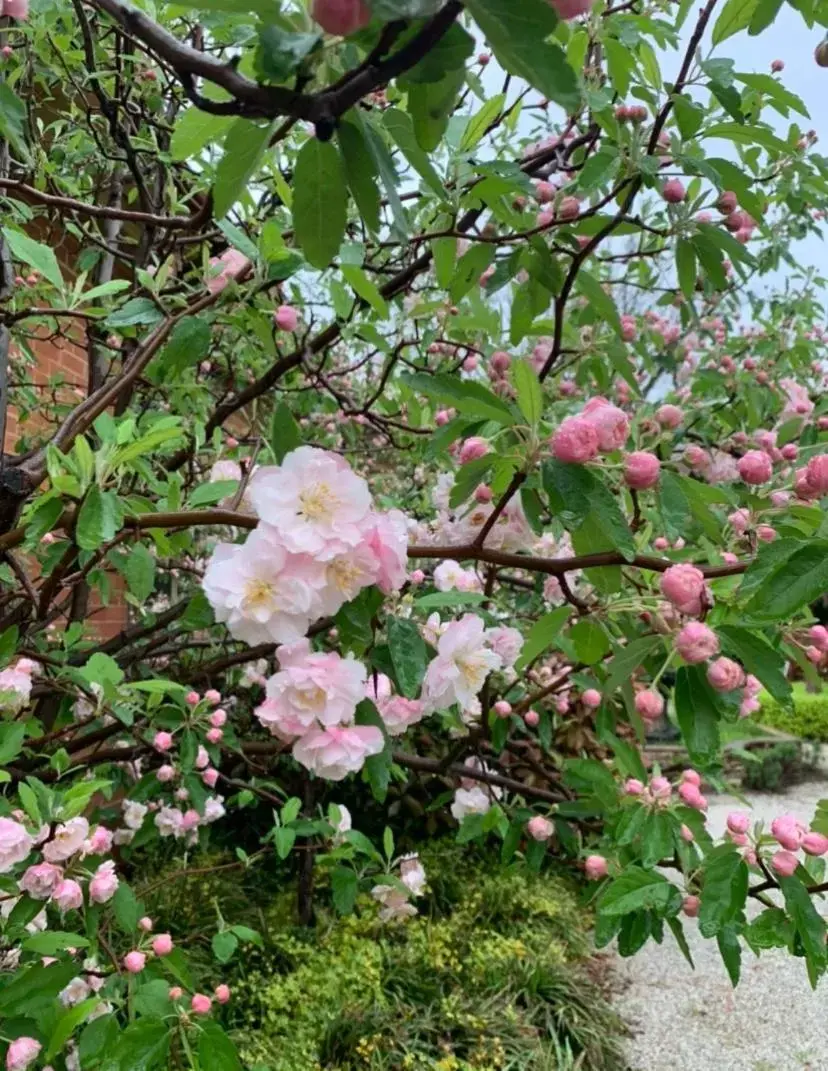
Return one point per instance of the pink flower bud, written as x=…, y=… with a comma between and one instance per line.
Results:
x=500, y=362
x=669, y=416
x=725, y=675
x=176, y=992
x=539, y=828
x=286, y=318
x=629, y=329
x=218, y=718
x=442, y=417
x=696, y=642
x=790, y=451
x=765, y=533
x=200, y=1003
x=68, y=896
x=784, y=863
x=692, y=777
x=162, y=741
x=649, y=704
x=212, y=696
x=134, y=962
x=690, y=906
x=214, y=736
x=202, y=759
x=482, y=493
x=192, y=699
x=633, y=787
x=738, y=822
x=416, y=576
x=575, y=441
x=814, y=844
x=472, y=449
x=571, y=9
x=595, y=867
x=502, y=708
x=689, y=794
x=591, y=698
x=787, y=831
x=190, y=819
x=145, y=924
x=641, y=470
x=340, y=18
x=162, y=945
x=687, y=834
x=819, y=636
x=660, y=788
x=165, y=773
x=23, y=1051
x=777, y=65
x=673, y=191
x=222, y=993
x=755, y=467
x=532, y=718
x=684, y=586
x=660, y=543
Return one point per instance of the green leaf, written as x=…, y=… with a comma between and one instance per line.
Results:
x=208, y=494
x=244, y=148
x=134, y=312
x=13, y=119
x=409, y=655
x=724, y=889
x=467, y=396
x=127, y=908
x=626, y=661
x=772, y=929
x=747, y=134
x=449, y=54
x=686, y=267
x=798, y=580
x=9, y=639
x=344, y=887
x=189, y=343
x=401, y=128
x=432, y=105
x=590, y=640
x=285, y=435
x=195, y=130
x=224, y=945
x=589, y=777
x=470, y=476
x=279, y=53
x=68, y=1023
x=142, y=1046
x=479, y=123
x=97, y=1037
x=542, y=635
x=620, y=63
x=50, y=942
x=284, y=839
x=810, y=925
x=637, y=889
x=678, y=932
x=597, y=170
x=519, y=37
x=12, y=735
x=139, y=572
x=602, y=303
x=153, y=998
x=355, y=621
x=698, y=715
x=731, y=952
x=529, y=391
x=377, y=769
x=734, y=16
x=765, y=13
x=320, y=201
x=364, y=288
x=34, y=989
x=216, y=1051
x=759, y=658
x=35, y=254
x=99, y=518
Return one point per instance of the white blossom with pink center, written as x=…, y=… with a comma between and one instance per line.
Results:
x=464, y=660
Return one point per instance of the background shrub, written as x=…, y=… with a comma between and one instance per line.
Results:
x=808, y=718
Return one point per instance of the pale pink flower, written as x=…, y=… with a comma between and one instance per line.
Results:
x=788, y=831
x=506, y=642
x=450, y=575
x=470, y=801
x=22, y=1052
x=539, y=828
x=222, y=993
x=395, y=905
x=312, y=688
x=595, y=867
x=162, y=944
x=738, y=822
x=40, y=881
x=134, y=962
x=336, y=751
x=15, y=687
x=169, y=822
x=611, y=423
x=399, y=714
x=725, y=675
x=68, y=895
x=213, y=809
x=798, y=402
x=104, y=883
x=463, y=662
x=669, y=416
x=15, y=844
x=412, y=874
x=314, y=500
x=99, y=843
x=755, y=467
x=387, y=537
x=696, y=642
x=262, y=592
x=68, y=840
x=575, y=441
x=641, y=470
x=223, y=268
x=683, y=585
x=784, y=863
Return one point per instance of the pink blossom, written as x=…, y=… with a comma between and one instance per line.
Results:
x=40, y=881
x=539, y=828
x=696, y=457
x=334, y=752
x=691, y=906
x=165, y=773
x=506, y=642
x=190, y=820
x=18, y=9
x=814, y=844
x=683, y=585
x=67, y=840
x=145, y=924
x=738, y=822
x=16, y=685
x=223, y=269
x=641, y=470
x=595, y=867
x=692, y=777
x=218, y=718
x=691, y=795
x=192, y=699
x=696, y=642
x=399, y=714
x=819, y=636
x=162, y=944
x=201, y=1004
x=787, y=831
x=784, y=863
x=22, y=1052
x=104, y=883
x=162, y=741
x=669, y=416
x=660, y=788
x=464, y=660
x=571, y=9
x=176, y=992
x=532, y=719
x=210, y=777
x=68, y=895
x=135, y=962
x=816, y=474
x=212, y=696
x=591, y=698
x=502, y=708
x=673, y=191
x=611, y=423
x=15, y=844
x=629, y=330
x=473, y=449
x=313, y=500
x=214, y=736
x=286, y=318
x=312, y=688
x=633, y=787
x=341, y=17
x=387, y=538
x=650, y=705
x=755, y=467
x=765, y=533
x=222, y=993
x=725, y=675
x=798, y=402
x=575, y=441
x=740, y=520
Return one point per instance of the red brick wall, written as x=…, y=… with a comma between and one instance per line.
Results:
x=54, y=359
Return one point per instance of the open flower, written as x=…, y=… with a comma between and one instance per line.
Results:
x=464, y=660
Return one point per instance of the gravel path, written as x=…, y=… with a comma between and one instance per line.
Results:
x=686, y=1020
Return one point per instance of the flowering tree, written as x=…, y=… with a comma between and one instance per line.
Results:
x=441, y=434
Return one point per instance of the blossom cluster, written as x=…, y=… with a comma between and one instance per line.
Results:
x=318, y=543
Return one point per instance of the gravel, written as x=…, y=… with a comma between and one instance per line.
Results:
x=693, y=1020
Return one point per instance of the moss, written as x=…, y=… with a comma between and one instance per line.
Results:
x=486, y=978
x=808, y=718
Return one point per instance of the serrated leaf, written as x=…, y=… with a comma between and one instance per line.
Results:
x=542, y=635
x=320, y=201
x=244, y=148
x=528, y=390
